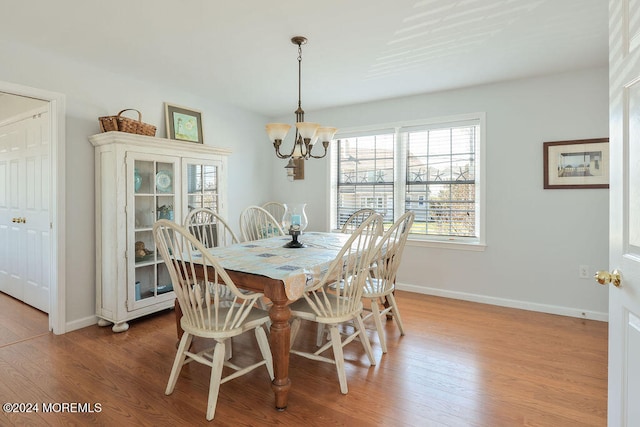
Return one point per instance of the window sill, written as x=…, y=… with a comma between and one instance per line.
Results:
x=461, y=246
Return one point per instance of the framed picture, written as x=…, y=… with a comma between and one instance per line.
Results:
x=183, y=123
x=582, y=163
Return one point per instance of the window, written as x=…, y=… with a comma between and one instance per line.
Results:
x=365, y=177
x=432, y=168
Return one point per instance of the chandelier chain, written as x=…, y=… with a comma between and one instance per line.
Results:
x=299, y=75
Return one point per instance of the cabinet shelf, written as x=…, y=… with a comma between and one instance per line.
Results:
x=144, y=263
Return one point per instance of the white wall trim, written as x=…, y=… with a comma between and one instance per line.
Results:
x=424, y=242
x=57, y=292
x=504, y=302
x=81, y=323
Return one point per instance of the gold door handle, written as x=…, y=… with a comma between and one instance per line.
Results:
x=603, y=277
x=19, y=220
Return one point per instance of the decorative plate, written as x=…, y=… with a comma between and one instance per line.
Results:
x=137, y=179
x=162, y=289
x=163, y=181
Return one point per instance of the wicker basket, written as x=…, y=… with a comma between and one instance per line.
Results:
x=125, y=124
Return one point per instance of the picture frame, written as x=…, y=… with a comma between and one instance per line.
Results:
x=582, y=163
x=183, y=124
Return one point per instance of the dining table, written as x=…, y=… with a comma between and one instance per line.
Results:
x=282, y=274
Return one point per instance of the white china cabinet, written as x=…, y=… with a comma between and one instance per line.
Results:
x=140, y=179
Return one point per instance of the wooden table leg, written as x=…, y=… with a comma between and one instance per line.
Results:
x=279, y=340
x=178, y=312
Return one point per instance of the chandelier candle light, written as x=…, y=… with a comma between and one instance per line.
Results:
x=306, y=133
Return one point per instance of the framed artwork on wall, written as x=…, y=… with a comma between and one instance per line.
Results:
x=184, y=124
x=582, y=163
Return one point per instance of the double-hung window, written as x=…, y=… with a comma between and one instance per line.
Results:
x=364, y=172
x=432, y=167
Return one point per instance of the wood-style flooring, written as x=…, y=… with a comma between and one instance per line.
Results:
x=459, y=364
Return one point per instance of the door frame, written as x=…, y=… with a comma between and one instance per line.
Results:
x=57, y=289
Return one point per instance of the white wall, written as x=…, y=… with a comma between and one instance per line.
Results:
x=536, y=238
x=91, y=93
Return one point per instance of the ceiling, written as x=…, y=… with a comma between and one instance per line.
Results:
x=358, y=50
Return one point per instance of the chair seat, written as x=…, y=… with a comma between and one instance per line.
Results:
x=255, y=318
x=302, y=309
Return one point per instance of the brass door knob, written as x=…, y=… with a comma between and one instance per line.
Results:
x=603, y=277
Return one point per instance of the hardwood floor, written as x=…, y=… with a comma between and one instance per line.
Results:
x=460, y=364
x=18, y=321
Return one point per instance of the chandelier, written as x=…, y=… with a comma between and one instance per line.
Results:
x=307, y=134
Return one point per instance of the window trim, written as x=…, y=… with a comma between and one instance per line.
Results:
x=461, y=243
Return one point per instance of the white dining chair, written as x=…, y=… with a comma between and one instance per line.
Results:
x=209, y=228
x=351, y=224
x=276, y=209
x=332, y=306
x=213, y=231
x=203, y=312
x=380, y=284
x=355, y=219
x=256, y=223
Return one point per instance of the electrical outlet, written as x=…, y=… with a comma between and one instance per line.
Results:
x=583, y=272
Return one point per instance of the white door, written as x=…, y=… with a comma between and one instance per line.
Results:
x=624, y=213
x=24, y=209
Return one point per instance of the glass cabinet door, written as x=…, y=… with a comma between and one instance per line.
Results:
x=151, y=190
x=201, y=181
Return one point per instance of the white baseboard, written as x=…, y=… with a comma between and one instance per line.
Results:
x=503, y=302
x=483, y=299
x=81, y=323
